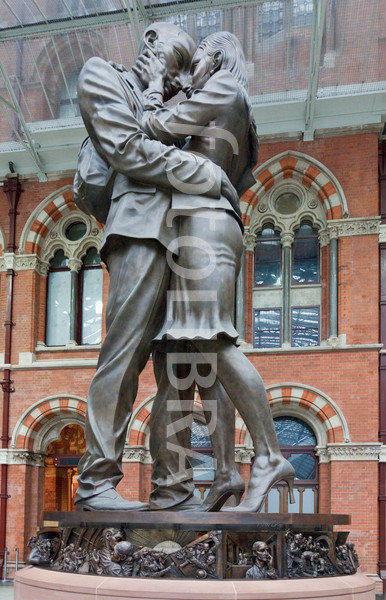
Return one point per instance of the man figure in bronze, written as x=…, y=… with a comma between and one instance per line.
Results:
x=111, y=101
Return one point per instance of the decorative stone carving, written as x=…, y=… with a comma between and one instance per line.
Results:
x=312, y=203
x=286, y=239
x=324, y=238
x=244, y=455
x=356, y=226
x=74, y=264
x=249, y=240
x=262, y=563
x=24, y=262
x=262, y=207
x=21, y=457
x=348, y=451
x=141, y=455
x=44, y=548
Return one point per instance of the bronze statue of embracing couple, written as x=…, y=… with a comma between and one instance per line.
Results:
x=166, y=181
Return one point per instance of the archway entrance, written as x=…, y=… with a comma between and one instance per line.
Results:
x=61, y=471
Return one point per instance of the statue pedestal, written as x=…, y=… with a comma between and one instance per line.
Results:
x=192, y=546
x=34, y=584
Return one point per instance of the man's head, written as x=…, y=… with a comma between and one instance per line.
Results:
x=175, y=47
x=261, y=552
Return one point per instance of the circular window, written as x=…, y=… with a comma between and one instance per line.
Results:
x=76, y=231
x=287, y=204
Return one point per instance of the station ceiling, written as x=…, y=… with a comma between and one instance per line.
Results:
x=316, y=67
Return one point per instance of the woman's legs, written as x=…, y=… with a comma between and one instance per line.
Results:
x=245, y=387
x=219, y=413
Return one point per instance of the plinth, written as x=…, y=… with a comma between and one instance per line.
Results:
x=193, y=545
x=32, y=583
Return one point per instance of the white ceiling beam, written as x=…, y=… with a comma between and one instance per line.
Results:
x=319, y=17
x=16, y=107
x=145, y=13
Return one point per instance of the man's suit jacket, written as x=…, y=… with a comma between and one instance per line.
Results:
x=111, y=106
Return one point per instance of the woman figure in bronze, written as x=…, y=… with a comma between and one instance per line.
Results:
x=218, y=116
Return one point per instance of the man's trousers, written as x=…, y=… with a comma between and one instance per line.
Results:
x=139, y=278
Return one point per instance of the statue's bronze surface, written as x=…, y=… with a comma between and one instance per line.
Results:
x=169, y=211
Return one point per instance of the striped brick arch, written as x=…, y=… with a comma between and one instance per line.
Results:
x=59, y=204
x=304, y=169
x=138, y=431
x=45, y=414
x=308, y=404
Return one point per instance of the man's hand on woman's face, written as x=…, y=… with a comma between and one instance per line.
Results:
x=154, y=69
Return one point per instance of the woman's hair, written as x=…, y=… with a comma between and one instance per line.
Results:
x=232, y=52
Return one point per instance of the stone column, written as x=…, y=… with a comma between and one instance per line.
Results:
x=333, y=283
x=74, y=265
x=286, y=240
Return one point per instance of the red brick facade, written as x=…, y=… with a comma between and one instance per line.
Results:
x=334, y=388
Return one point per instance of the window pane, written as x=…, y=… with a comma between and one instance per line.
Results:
x=76, y=231
x=92, y=257
x=92, y=306
x=291, y=431
x=267, y=329
x=59, y=260
x=304, y=465
x=308, y=501
x=203, y=467
x=305, y=267
x=58, y=308
x=274, y=501
x=295, y=508
x=200, y=436
x=305, y=326
x=268, y=258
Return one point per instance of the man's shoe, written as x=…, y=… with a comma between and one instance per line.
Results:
x=109, y=500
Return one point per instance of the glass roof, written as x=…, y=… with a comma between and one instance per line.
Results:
x=294, y=54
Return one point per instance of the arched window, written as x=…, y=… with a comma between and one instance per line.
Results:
x=287, y=293
x=74, y=298
x=201, y=459
x=68, y=100
x=297, y=443
x=305, y=255
x=58, y=320
x=268, y=258
x=91, y=279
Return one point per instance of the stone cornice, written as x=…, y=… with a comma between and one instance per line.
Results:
x=23, y=262
x=137, y=454
x=355, y=226
x=382, y=455
x=14, y=456
x=349, y=452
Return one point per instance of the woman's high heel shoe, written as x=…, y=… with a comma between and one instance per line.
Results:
x=260, y=486
x=219, y=493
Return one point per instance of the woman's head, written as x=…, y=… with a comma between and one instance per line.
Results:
x=218, y=51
